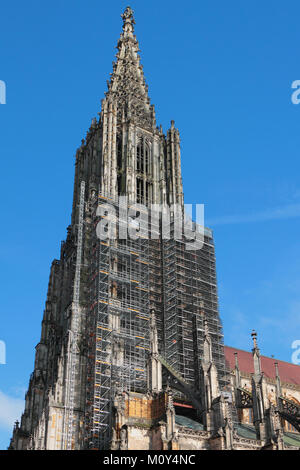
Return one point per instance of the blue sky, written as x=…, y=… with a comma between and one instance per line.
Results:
x=223, y=71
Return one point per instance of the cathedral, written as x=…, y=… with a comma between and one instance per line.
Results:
x=131, y=354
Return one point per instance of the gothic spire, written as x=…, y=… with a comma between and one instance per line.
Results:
x=128, y=22
x=127, y=83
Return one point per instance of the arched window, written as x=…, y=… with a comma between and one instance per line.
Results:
x=143, y=169
x=147, y=159
x=143, y=158
x=140, y=158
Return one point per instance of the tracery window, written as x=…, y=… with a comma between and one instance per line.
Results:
x=144, y=173
x=143, y=164
x=147, y=159
x=119, y=152
x=140, y=158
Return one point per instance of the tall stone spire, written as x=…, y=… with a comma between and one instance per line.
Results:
x=70, y=398
x=127, y=83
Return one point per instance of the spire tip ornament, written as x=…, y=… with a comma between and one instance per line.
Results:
x=128, y=17
x=254, y=338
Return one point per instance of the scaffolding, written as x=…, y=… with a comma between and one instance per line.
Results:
x=118, y=326
x=129, y=278
x=190, y=297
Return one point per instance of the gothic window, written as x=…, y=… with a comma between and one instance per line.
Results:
x=143, y=158
x=140, y=158
x=143, y=168
x=147, y=159
x=140, y=190
x=119, y=152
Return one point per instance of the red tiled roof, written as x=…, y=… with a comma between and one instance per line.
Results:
x=289, y=373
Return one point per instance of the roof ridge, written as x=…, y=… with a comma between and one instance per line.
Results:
x=267, y=357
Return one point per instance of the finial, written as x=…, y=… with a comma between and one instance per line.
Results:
x=128, y=20
x=207, y=344
x=254, y=337
x=256, y=356
x=152, y=319
x=206, y=332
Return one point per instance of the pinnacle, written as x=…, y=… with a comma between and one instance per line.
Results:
x=127, y=83
x=127, y=17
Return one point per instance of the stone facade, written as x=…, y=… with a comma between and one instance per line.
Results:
x=131, y=337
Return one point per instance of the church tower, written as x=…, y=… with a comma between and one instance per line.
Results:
x=125, y=152
x=108, y=299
